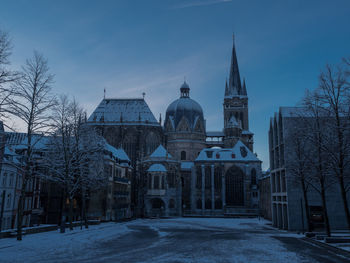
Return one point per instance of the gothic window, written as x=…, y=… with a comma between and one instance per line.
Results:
x=156, y=182
x=207, y=177
x=163, y=182
x=253, y=176
x=199, y=126
x=199, y=177
x=183, y=125
x=218, y=204
x=208, y=204
x=199, y=204
x=129, y=146
x=149, y=181
x=234, y=181
x=171, y=203
x=217, y=178
x=183, y=155
x=152, y=142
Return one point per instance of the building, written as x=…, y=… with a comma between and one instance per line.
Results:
x=265, y=195
x=162, y=184
x=288, y=209
x=111, y=201
x=129, y=124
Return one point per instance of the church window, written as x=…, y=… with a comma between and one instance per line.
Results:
x=207, y=177
x=199, y=204
x=253, y=176
x=218, y=204
x=156, y=182
x=208, y=204
x=217, y=178
x=183, y=155
x=149, y=181
x=152, y=142
x=199, y=177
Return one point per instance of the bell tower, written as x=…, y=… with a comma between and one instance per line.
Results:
x=236, y=107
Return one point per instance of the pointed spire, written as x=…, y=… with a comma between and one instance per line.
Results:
x=244, y=89
x=226, y=89
x=160, y=118
x=234, y=87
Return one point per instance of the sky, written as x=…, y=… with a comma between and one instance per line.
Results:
x=131, y=47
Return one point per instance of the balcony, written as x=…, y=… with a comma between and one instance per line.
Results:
x=156, y=192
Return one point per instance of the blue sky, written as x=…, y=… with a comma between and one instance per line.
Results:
x=130, y=47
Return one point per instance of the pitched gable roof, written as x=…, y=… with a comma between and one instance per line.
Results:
x=123, y=111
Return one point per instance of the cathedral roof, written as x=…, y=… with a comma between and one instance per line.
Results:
x=123, y=112
x=239, y=153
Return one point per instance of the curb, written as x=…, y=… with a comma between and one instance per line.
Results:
x=335, y=250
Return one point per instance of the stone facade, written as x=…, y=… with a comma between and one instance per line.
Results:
x=288, y=210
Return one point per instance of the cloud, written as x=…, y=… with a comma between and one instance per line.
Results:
x=199, y=3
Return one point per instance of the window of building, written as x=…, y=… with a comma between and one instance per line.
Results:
x=183, y=155
x=199, y=204
x=207, y=177
x=217, y=178
x=156, y=182
x=4, y=179
x=199, y=177
x=253, y=176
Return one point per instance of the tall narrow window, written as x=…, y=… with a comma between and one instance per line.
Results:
x=183, y=155
x=253, y=176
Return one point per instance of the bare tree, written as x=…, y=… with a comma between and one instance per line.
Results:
x=320, y=178
x=334, y=93
x=73, y=150
x=31, y=102
x=7, y=76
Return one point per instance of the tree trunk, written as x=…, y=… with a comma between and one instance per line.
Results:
x=84, y=210
x=21, y=202
x=325, y=212
x=345, y=201
x=306, y=203
x=70, y=213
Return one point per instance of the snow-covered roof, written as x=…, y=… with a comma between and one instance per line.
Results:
x=118, y=153
x=239, y=152
x=160, y=152
x=19, y=141
x=123, y=112
x=247, y=132
x=215, y=134
x=186, y=165
x=157, y=167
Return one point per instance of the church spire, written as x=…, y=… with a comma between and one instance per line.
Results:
x=244, y=89
x=234, y=87
x=226, y=89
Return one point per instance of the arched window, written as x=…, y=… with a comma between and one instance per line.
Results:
x=163, y=182
x=171, y=203
x=208, y=204
x=156, y=182
x=199, y=204
x=253, y=176
x=207, y=177
x=199, y=177
x=183, y=155
x=218, y=204
x=149, y=181
x=217, y=179
x=152, y=142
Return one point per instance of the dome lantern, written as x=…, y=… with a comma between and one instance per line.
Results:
x=185, y=90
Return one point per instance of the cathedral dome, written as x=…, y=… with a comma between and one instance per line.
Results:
x=184, y=109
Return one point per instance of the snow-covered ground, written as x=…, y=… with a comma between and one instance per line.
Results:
x=163, y=240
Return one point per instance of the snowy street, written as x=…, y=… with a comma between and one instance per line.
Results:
x=168, y=240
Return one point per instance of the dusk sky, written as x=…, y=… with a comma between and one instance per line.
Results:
x=130, y=47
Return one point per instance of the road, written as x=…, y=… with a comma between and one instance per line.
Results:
x=186, y=240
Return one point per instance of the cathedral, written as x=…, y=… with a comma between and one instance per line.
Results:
x=180, y=167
